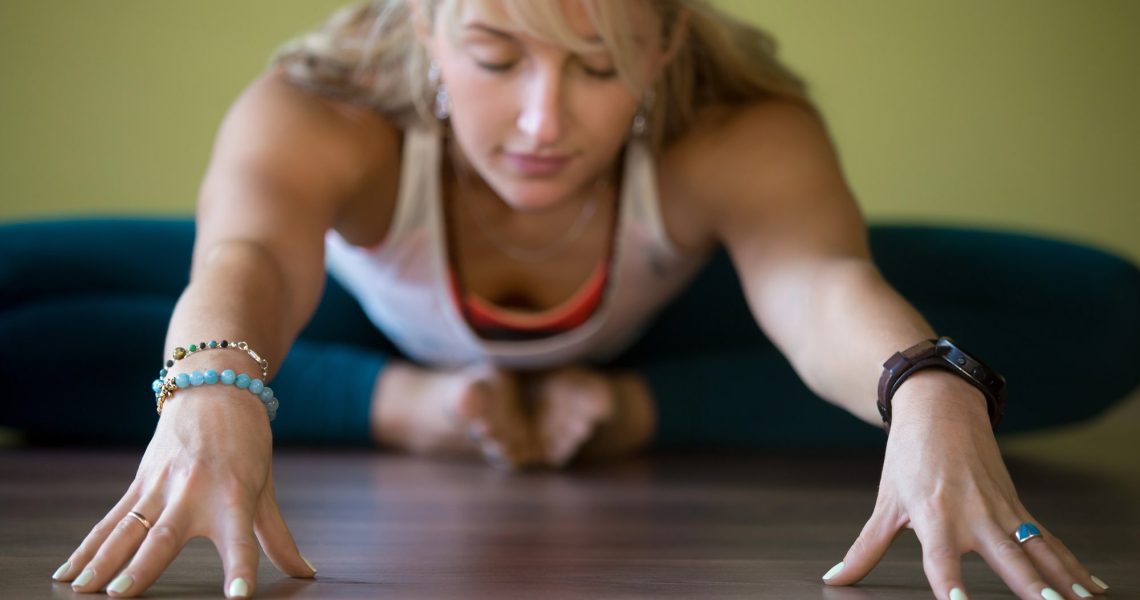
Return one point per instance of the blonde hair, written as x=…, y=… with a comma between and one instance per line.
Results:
x=368, y=54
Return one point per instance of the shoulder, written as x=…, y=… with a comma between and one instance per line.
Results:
x=280, y=135
x=745, y=165
x=728, y=150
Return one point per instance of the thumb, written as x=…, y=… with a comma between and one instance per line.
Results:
x=275, y=537
x=877, y=534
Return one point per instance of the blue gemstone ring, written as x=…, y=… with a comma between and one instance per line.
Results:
x=1026, y=532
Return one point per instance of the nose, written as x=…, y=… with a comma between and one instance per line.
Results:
x=542, y=108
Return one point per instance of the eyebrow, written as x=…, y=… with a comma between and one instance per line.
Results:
x=506, y=35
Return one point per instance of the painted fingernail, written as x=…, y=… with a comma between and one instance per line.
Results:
x=957, y=594
x=1096, y=580
x=238, y=588
x=121, y=584
x=1051, y=594
x=1080, y=590
x=314, y=569
x=65, y=567
x=84, y=578
x=833, y=572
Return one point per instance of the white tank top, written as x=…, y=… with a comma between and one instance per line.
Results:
x=403, y=283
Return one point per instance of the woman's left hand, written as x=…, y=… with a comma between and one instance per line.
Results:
x=943, y=477
x=590, y=414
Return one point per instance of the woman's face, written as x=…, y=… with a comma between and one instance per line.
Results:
x=537, y=121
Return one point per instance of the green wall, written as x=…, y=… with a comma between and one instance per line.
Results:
x=1018, y=114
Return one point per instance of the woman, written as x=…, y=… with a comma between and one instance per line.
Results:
x=511, y=189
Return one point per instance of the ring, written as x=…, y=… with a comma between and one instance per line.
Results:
x=141, y=519
x=1025, y=532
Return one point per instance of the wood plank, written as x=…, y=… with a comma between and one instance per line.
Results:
x=669, y=526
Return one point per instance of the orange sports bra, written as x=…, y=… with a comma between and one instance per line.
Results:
x=494, y=322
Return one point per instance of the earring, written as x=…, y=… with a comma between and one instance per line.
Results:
x=442, y=106
x=640, y=126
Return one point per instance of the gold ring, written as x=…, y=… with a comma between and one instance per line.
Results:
x=141, y=519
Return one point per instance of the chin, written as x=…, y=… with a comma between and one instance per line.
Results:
x=533, y=202
x=533, y=195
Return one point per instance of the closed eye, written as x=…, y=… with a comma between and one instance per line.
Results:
x=600, y=73
x=496, y=67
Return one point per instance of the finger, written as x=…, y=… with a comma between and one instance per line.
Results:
x=118, y=547
x=82, y=555
x=162, y=543
x=1007, y=558
x=527, y=451
x=1082, y=575
x=237, y=546
x=477, y=430
x=275, y=537
x=1062, y=576
x=877, y=534
x=495, y=456
x=519, y=452
x=566, y=444
x=941, y=559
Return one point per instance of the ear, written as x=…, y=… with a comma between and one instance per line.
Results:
x=677, y=39
x=422, y=22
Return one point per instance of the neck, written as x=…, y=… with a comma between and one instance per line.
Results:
x=527, y=236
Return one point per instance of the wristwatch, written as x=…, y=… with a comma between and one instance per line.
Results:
x=941, y=353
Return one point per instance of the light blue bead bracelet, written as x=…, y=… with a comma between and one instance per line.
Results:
x=163, y=390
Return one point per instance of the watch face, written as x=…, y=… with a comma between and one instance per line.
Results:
x=973, y=368
x=942, y=353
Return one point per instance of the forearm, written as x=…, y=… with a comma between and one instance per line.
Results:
x=851, y=322
x=237, y=293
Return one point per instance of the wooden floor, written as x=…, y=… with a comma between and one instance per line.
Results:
x=708, y=527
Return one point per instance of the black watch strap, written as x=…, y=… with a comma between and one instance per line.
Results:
x=941, y=353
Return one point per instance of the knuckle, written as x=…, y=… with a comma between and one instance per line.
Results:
x=933, y=508
x=102, y=528
x=941, y=552
x=238, y=489
x=95, y=538
x=243, y=546
x=122, y=524
x=1007, y=548
x=164, y=535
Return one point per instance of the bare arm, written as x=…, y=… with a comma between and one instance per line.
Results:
x=799, y=242
x=797, y=238
x=285, y=168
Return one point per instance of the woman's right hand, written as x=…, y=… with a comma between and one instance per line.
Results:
x=207, y=472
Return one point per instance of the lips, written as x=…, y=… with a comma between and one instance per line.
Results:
x=535, y=165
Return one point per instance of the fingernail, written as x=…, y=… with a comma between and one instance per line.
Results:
x=65, y=567
x=1050, y=594
x=84, y=578
x=120, y=584
x=957, y=594
x=1096, y=580
x=238, y=588
x=314, y=569
x=1080, y=590
x=833, y=572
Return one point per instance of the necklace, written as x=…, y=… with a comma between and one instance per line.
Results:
x=533, y=255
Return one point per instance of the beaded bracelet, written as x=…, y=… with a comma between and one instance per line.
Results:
x=181, y=353
x=164, y=389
